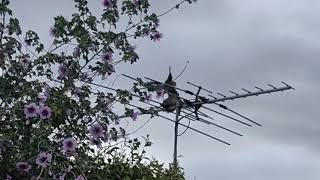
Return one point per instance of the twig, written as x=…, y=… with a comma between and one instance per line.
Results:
x=185, y=66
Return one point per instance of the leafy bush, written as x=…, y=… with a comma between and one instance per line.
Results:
x=55, y=124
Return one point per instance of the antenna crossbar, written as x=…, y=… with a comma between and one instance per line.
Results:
x=243, y=95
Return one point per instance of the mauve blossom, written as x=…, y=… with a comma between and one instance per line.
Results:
x=107, y=3
x=50, y=172
x=8, y=177
x=135, y=115
x=96, y=130
x=23, y=167
x=148, y=98
x=145, y=32
x=45, y=112
x=41, y=98
x=60, y=176
x=43, y=159
x=136, y=3
x=106, y=57
x=31, y=110
x=69, y=144
x=80, y=177
x=157, y=36
x=52, y=31
x=63, y=71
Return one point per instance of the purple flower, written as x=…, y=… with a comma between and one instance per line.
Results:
x=135, y=115
x=45, y=112
x=80, y=177
x=50, y=173
x=107, y=57
x=63, y=71
x=43, y=159
x=8, y=177
x=96, y=130
x=145, y=32
x=96, y=142
x=69, y=144
x=157, y=36
x=23, y=167
x=61, y=177
x=42, y=98
x=52, y=31
x=107, y=3
x=136, y=3
x=148, y=98
x=31, y=110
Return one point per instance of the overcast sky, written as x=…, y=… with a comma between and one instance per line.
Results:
x=230, y=44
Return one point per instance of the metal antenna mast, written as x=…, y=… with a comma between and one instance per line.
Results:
x=190, y=108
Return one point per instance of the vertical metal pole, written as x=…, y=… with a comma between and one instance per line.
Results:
x=176, y=125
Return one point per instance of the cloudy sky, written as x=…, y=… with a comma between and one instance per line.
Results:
x=231, y=45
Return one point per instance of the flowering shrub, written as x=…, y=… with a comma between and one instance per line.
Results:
x=54, y=123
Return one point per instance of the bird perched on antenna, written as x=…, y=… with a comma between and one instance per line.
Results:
x=169, y=104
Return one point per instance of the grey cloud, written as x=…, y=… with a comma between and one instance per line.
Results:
x=231, y=45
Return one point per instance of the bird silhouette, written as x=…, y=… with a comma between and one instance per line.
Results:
x=169, y=104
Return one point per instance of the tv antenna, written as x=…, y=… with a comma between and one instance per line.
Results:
x=191, y=108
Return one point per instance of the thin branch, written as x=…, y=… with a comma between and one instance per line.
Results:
x=185, y=66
